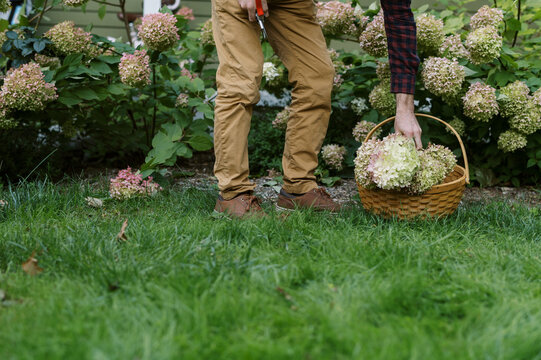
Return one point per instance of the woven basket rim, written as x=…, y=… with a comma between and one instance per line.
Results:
x=436, y=189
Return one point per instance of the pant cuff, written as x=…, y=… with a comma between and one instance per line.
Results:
x=230, y=194
x=299, y=188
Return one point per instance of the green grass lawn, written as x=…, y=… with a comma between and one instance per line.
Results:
x=310, y=286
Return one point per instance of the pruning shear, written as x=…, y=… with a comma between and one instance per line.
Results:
x=260, y=16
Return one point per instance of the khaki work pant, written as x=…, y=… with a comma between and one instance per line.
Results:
x=297, y=39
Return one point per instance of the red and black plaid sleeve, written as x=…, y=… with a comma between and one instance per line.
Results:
x=402, y=44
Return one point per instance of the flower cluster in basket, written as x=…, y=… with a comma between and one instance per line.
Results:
x=394, y=163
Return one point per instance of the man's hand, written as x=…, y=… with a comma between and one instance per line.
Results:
x=405, y=121
x=249, y=6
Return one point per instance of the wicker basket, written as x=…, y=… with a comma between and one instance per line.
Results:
x=440, y=200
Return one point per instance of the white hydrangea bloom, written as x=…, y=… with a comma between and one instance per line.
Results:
x=270, y=71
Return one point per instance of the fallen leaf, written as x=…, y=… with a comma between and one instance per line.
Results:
x=3, y=203
x=2, y=295
x=122, y=234
x=94, y=202
x=30, y=266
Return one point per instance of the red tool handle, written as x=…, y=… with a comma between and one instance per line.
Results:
x=259, y=7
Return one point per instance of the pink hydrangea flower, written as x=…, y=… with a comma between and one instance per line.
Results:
x=74, y=3
x=68, y=39
x=443, y=77
x=186, y=12
x=484, y=45
x=480, y=102
x=182, y=100
x=333, y=156
x=128, y=184
x=486, y=16
x=159, y=31
x=206, y=37
x=24, y=88
x=373, y=40
x=187, y=73
x=280, y=122
x=336, y=18
x=134, y=69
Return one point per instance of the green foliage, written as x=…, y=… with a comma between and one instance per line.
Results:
x=110, y=121
x=265, y=143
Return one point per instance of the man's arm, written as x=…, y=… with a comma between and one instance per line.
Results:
x=404, y=62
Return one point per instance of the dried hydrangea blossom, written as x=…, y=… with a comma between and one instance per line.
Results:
x=484, y=45
x=362, y=160
x=74, y=3
x=486, y=16
x=6, y=121
x=182, y=100
x=333, y=156
x=362, y=128
x=431, y=172
x=443, y=77
x=158, y=31
x=373, y=39
x=337, y=81
x=511, y=140
x=339, y=66
x=443, y=155
x=430, y=34
x=513, y=98
x=452, y=48
x=128, y=184
x=394, y=164
x=336, y=18
x=280, y=122
x=68, y=39
x=134, y=69
x=382, y=99
x=480, y=102
x=47, y=61
x=24, y=88
x=458, y=125
x=528, y=120
x=206, y=36
x=186, y=12
x=383, y=71
x=358, y=105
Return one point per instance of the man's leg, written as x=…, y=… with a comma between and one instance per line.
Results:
x=296, y=37
x=238, y=79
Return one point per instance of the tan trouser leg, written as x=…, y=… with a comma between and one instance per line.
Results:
x=297, y=39
x=238, y=79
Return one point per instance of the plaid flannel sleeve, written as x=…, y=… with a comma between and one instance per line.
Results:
x=402, y=44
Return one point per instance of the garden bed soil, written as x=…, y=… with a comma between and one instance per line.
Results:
x=346, y=190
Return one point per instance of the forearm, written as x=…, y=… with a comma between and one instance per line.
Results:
x=404, y=103
x=402, y=44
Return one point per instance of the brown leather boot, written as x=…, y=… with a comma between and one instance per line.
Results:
x=241, y=206
x=317, y=199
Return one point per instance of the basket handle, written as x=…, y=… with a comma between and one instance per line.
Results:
x=433, y=118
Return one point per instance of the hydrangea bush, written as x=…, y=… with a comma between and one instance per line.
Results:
x=155, y=99
x=479, y=72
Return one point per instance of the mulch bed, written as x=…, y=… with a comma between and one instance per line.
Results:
x=346, y=190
